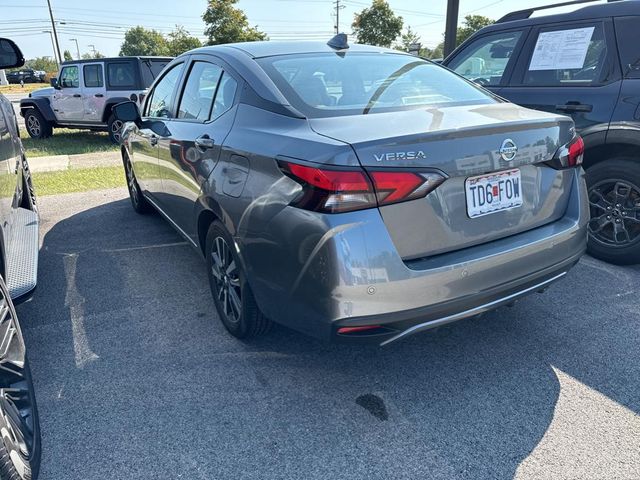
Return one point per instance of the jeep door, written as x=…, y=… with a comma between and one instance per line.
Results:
x=190, y=153
x=67, y=100
x=144, y=140
x=93, y=92
x=570, y=68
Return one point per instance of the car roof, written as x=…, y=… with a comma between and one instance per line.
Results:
x=611, y=9
x=273, y=48
x=94, y=60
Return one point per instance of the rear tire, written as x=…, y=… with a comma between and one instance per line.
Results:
x=37, y=126
x=232, y=295
x=138, y=202
x=614, y=198
x=115, y=129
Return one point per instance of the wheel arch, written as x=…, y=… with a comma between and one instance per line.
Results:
x=620, y=141
x=41, y=104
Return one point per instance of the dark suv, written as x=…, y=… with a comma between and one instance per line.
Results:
x=24, y=76
x=585, y=64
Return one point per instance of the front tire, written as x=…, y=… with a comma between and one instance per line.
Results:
x=614, y=199
x=138, y=202
x=37, y=126
x=115, y=129
x=231, y=292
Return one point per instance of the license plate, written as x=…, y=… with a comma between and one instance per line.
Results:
x=493, y=193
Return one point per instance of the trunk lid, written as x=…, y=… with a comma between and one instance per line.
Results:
x=460, y=142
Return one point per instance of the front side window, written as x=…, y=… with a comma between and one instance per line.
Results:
x=568, y=56
x=69, y=77
x=329, y=84
x=485, y=60
x=93, y=76
x=160, y=98
x=121, y=75
x=197, y=99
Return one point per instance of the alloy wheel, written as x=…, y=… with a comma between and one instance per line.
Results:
x=16, y=407
x=116, y=129
x=615, y=213
x=226, y=278
x=33, y=124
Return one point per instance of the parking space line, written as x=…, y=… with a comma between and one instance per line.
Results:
x=145, y=247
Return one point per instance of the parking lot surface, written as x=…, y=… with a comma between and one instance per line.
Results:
x=136, y=378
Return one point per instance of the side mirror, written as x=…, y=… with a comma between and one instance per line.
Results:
x=54, y=83
x=127, y=112
x=10, y=54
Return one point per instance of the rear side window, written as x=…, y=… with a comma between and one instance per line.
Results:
x=627, y=31
x=161, y=97
x=327, y=84
x=93, y=76
x=225, y=95
x=69, y=77
x=151, y=69
x=121, y=75
x=199, y=91
x=568, y=56
x=485, y=60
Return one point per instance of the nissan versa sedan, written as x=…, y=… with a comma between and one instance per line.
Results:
x=354, y=192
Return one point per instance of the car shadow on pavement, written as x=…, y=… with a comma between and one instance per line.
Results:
x=136, y=377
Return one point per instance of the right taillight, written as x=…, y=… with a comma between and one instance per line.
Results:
x=344, y=190
x=569, y=155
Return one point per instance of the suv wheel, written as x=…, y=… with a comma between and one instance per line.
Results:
x=19, y=427
x=232, y=295
x=614, y=199
x=139, y=203
x=37, y=126
x=115, y=129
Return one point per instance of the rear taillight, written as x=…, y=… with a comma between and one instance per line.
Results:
x=569, y=155
x=333, y=191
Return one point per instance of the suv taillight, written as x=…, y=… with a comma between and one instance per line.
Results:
x=344, y=190
x=569, y=155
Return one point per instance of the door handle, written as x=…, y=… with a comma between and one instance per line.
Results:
x=204, y=142
x=153, y=140
x=574, y=107
x=76, y=95
x=99, y=95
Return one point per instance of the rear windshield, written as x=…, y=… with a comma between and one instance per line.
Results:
x=330, y=84
x=151, y=69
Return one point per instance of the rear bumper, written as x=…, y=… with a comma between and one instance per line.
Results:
x=349, y=273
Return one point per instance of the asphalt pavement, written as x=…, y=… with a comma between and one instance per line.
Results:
x=137, y=379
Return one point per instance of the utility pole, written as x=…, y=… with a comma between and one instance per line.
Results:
x=451, y=30
x=55, y=34
x=55, y=57
x=93, y=49
x=339, y=7
x=77, y=47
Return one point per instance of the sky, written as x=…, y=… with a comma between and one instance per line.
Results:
x=101, y=25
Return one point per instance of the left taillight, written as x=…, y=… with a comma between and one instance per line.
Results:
x=344, y=190
x=569, y=155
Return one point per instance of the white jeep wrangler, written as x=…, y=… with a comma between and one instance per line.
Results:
x=85, y=91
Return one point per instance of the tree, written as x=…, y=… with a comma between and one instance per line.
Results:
x=181, y=41
x=377, y=25
x=407, y=39
x=92, y=55
x=228, y=24
x=45, y=64
x=67, y=56
x=471, y=24
x=140, y=41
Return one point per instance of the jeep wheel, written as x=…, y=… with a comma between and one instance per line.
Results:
x=231, y=292
x=115, y=129
x=138, y=201
x=19, y=427
x=37, y=126
x=614, y=199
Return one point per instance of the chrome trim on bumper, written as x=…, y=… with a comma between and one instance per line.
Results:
x=471, y=312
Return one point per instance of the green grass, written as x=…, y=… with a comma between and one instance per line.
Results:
x=16, y=88
x=67, y=142
x=78, y=180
